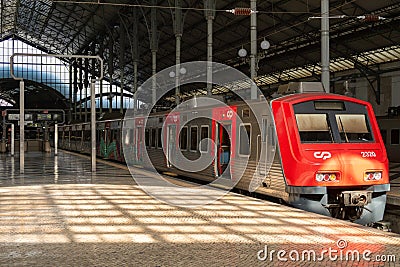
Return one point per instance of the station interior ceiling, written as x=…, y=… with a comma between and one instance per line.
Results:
x=363, y=36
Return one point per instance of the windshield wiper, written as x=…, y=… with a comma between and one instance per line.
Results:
x=344, y=131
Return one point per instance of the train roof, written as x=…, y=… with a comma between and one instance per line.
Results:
x=303, y=97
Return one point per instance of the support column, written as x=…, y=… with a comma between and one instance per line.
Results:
x=86, y=85
x=209, y=13
x=135, y=55
x=154, y=49
x=3, y=139
x=55, y=139
x=21, y=127
x=93, y=125
x=178, y=30
x=178, y=38
x=93, y=71
x=122, y=39
x=325, y=45
x=75, y=91
x=110, y=69
x=47, y=147
x=71, y=89
x=80, y=87
x=253, y=47
x=12, y=140
x=101, y=50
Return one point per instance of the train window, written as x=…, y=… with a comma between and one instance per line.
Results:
x=147, y=137
x=395, y=137
x=183, y=138
x=245, y=113
x=314, y=128
x=159, y=137
x=384, y=135
x=244, y=139
x=353, y=128
x=126, y=137
x=193, y=138
x=204, y=135
x=153, y=137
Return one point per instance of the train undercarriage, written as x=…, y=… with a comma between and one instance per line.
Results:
x=360, y=205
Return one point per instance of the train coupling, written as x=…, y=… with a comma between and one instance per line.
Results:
x=381, y=225
x=356, y=198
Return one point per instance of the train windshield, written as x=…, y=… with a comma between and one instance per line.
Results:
x=353, y=128
x=314, y=128
x=332, y=122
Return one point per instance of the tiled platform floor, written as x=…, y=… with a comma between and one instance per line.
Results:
x=394, y=194
x=64, y=216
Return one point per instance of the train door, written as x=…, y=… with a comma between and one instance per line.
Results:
x=138, y=143
x=265, y=146
x=171, y=144
x=224, y=139
x=262, y=148
x=223, y=147
x=171, y=125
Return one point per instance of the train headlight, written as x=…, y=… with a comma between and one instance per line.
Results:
x=319, y=177
x=373, y=176
x=326, y=177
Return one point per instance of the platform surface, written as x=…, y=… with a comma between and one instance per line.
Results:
x=394, y=176
x=59, y=214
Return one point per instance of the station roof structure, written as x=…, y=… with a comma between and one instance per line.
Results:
x=107, y=28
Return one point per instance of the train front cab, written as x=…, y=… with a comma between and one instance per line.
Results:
x=334, y=161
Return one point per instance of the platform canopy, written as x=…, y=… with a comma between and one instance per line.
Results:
x=358, y=41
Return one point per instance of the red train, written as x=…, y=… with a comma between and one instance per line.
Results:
x=329, y=156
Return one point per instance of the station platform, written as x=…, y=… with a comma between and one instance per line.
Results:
x=393, y=197
x=60, y=214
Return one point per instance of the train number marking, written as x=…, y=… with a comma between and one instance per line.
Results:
x=368, y=154
x=229, y=113
x=322, y=155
